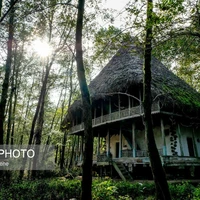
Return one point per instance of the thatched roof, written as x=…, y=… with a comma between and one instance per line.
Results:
x=125, y=69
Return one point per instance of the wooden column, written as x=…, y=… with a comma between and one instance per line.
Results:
x=95, y=114
x=101, y=111
x=98, y=144
x=108, y=143
x=78, y=149
x=179, y=138
x=120, y=142
x=129, y=105
x=194, y=143
x=133, y=140
x=119, y=104
x=110, y=109
x=81, y=156
x=140, y=98
x=164, y=149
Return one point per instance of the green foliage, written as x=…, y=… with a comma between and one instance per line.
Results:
x=108, y=41
x=196, y=193
x=182, y=191
x=109, y=189
x=104, y=190
x=182, y=96
x=42, y=190
x=63, y=189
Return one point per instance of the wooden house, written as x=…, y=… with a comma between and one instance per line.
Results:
x=116, y=95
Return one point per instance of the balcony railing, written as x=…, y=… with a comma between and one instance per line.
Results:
x=103, y=158
x=127, y=153
x=141, y=153
x=117, y=115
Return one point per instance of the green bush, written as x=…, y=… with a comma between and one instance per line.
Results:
x=136, y=189
x=196, y=193
x=63, y=189
x=104, y=190
x=182, y=191
x=47, y=189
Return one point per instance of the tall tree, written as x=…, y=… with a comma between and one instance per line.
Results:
x=5, y=86
x=86, y=110
x=162, y=190
x=1, y=2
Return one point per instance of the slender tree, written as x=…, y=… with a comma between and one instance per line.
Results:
x=5, y=86
x=86, y=110
x=162, y=190
x=1, y=2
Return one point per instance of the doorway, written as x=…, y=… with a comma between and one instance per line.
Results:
x=117, y=150
x=190, y=146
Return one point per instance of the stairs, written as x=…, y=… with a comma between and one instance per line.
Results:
x=122, y=171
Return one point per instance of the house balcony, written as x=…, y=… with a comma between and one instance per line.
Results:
x=116, y=116
x=125, y=155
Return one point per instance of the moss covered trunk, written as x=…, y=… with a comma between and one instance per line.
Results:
x=5, y=85
x=87, y=110
x=162, y=190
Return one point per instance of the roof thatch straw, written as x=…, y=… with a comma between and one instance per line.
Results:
x=125, y=69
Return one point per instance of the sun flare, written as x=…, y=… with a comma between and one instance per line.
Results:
x=42, y=48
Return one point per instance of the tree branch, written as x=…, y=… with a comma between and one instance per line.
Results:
x=3, y=17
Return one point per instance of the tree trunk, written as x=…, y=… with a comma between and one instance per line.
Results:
x=1, y=2
x=16, y=85
x=40, y=120
x=9, y=116
x=7, y=74
x=62, y=156
x=86, y=109
x=62, y=160
x=71, y=159
x=10, y=113
x=162, y=189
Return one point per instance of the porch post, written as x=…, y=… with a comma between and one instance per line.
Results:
x=129, y=105
x=110, y=110
x=180, y=142
x=140, y=98
x=120, y=142
x=98, y=144
x=108, y=144
x=95, y=111
x=133, y=140
x=194, y=143
x=101, y=111
x=77, y=149
x=119, y=104
x=81, y=157
x=164, y=149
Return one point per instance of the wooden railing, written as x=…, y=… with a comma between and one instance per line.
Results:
x=144, y=153
x=103, y=158
x=127, y=153
x=117, y=115
x=141, y=153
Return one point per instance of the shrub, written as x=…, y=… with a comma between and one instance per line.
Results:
x=135, y=189
x=105, y=190
x=196, y=193
x=182, y=191
x=63, y=189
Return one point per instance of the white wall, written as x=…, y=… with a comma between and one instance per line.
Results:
x=197, y=139
x=140, y=140
x=192, y=133
x=113, y=140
